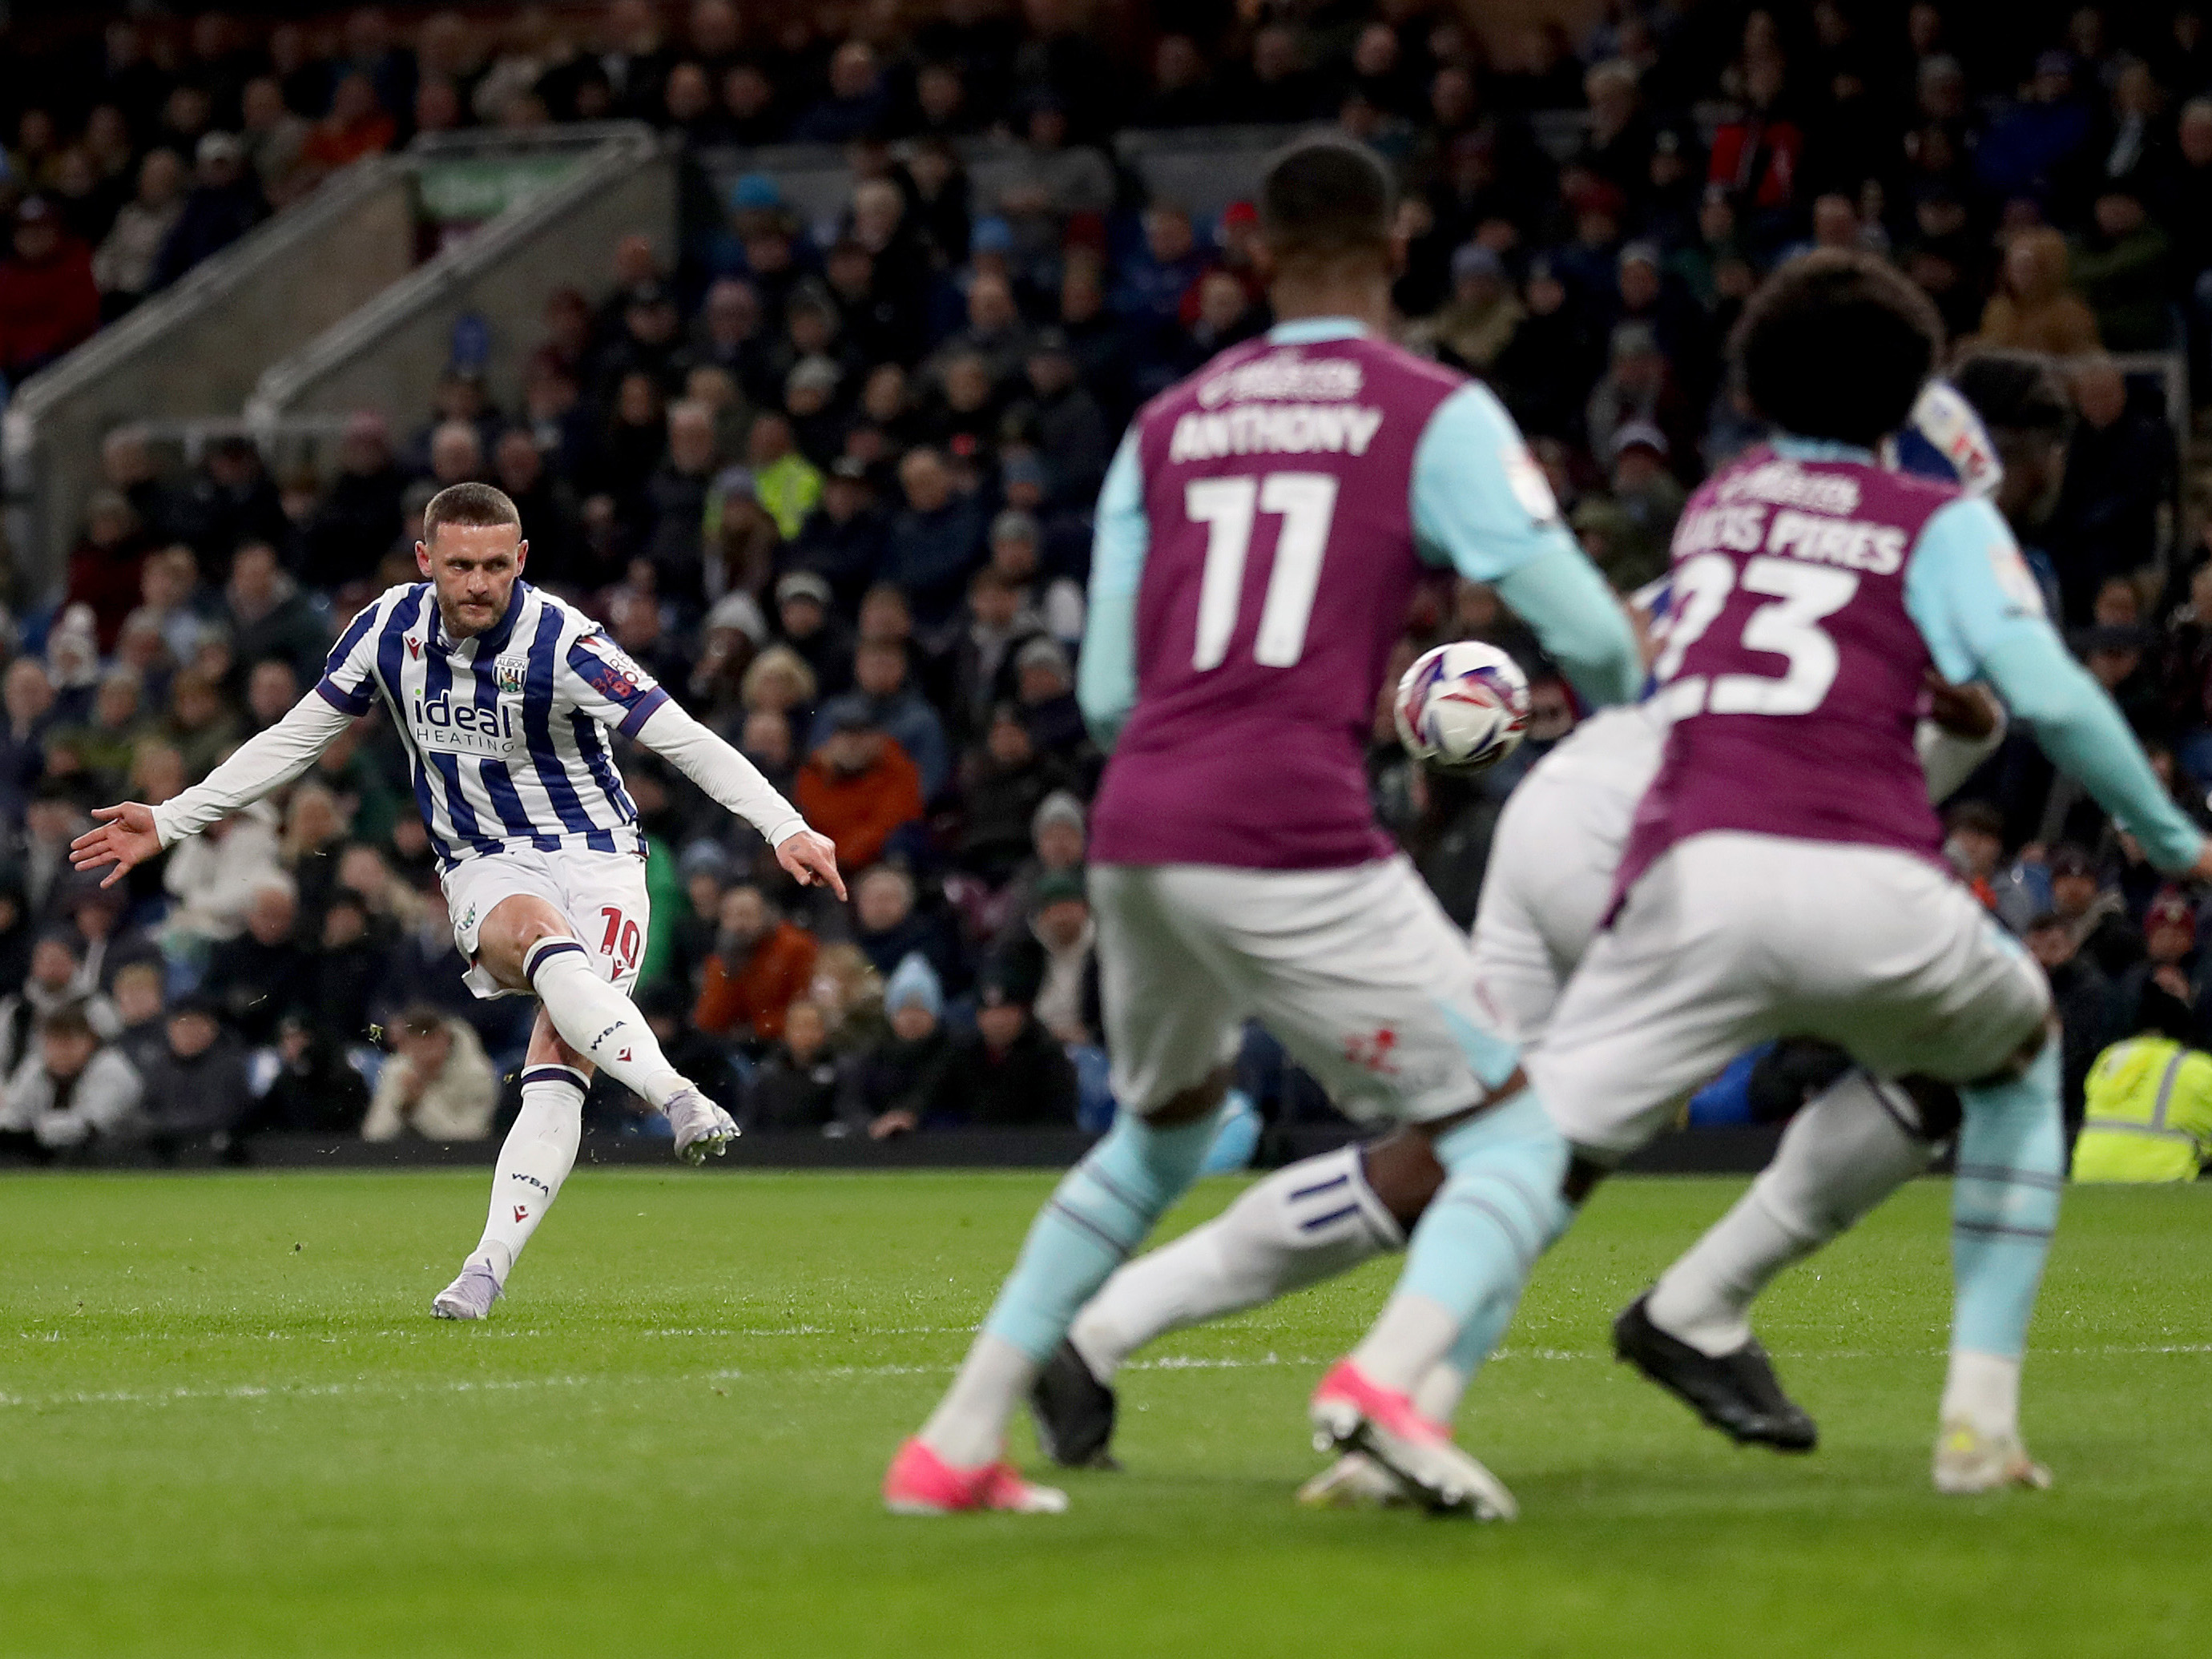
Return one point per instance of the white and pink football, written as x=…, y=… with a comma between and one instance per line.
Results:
x=1463, y=707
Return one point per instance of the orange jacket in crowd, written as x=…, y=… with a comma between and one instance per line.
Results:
x=756, y=991
x=859, y=810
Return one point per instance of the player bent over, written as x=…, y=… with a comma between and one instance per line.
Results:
x=502, y=694
x=1783, y=873
x=1259, y=534
x=1546, y=892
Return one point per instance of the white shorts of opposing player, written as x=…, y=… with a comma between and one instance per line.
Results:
x=1356, y=971
x=1552, y=860
x=1730, y=940
x=603, y=895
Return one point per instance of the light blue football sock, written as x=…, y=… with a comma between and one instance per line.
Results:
x=2004, y=1205
x=1094, y=1221
x=1499, y=1210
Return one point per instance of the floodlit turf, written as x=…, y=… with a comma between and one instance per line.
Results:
x=230, y=1425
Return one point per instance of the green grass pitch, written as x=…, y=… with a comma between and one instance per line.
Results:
x=230, y=1425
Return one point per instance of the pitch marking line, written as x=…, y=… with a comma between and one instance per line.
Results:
x=254, y=1392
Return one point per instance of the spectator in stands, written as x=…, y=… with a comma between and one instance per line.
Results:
x=884, y=696
x=357, y=126
x=233, y=501
x=2121, y=269
x=194, y=1089
x=2094, y=916
x=903, y=1082
x=259, y=976
x=760, y=962
x=1004, y=781
x=268, y=616
x=28, y=695
x=56, y=981
x=225, y=202
x=934, y=541
x=49, y=301
x=437, y=1086
x=784, y=482
x=2033, y=308
x=106, y=568
x=71, y=1093
x=313, y=1088
x=860, y=788
x=1012, y=1073
x=358, y=519
x=124, y=266
x=276, y=141
x=2119, y=474
x=140, y=1009
x=794, y=1091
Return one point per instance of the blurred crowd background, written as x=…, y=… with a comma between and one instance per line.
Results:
x=828, y=476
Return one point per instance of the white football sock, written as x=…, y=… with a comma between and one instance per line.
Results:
x=539, y=1151
x=1408, y=1341
x=599, y=1021
x=968, y=1428
x=1302, y=1224
x=1983, y=1392
x=1437, y=1396
x=1845, y=1151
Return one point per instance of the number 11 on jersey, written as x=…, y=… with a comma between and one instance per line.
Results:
x=1228, y=508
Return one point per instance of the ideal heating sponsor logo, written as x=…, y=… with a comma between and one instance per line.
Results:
x=463, y=728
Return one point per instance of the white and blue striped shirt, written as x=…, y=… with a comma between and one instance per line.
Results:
x=504, y=731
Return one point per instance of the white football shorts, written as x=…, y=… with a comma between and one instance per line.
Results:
x=601, y=894
x=1729, y=939
x=1358, y=972
x=1552, y=859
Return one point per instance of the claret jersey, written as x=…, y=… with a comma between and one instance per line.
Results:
x=1260, y=533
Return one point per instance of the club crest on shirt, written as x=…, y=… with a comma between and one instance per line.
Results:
x=508, y=673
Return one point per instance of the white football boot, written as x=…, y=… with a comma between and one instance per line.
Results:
x=701, y=1126
x=1356, y=1481
x=1968, y=1462
x=469, y=1297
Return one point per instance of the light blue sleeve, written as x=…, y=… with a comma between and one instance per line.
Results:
x=1106, y=672
x=1977, y=606
x=1481, y=503
x=1482, y=506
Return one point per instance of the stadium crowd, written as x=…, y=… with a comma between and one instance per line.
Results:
x=830, y=483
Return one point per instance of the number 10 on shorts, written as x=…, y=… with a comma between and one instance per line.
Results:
x=621, y=944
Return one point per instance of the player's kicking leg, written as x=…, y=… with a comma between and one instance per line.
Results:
x=527, y=944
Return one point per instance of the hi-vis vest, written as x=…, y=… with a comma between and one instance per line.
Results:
x=2150, y=1112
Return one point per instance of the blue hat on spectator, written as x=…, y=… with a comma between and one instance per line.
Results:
x=992, y=234
x=914, y=980
x=754, y=192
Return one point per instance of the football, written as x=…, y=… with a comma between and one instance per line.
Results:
x=1461, y=708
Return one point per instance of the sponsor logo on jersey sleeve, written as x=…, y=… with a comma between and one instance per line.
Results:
x=609, y=670
x=1526, y=479
x=2015, y=581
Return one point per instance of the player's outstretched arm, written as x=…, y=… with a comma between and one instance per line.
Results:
x=1982, y=614
x=1481, y=503
x=736, y=784
x=130, y=834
